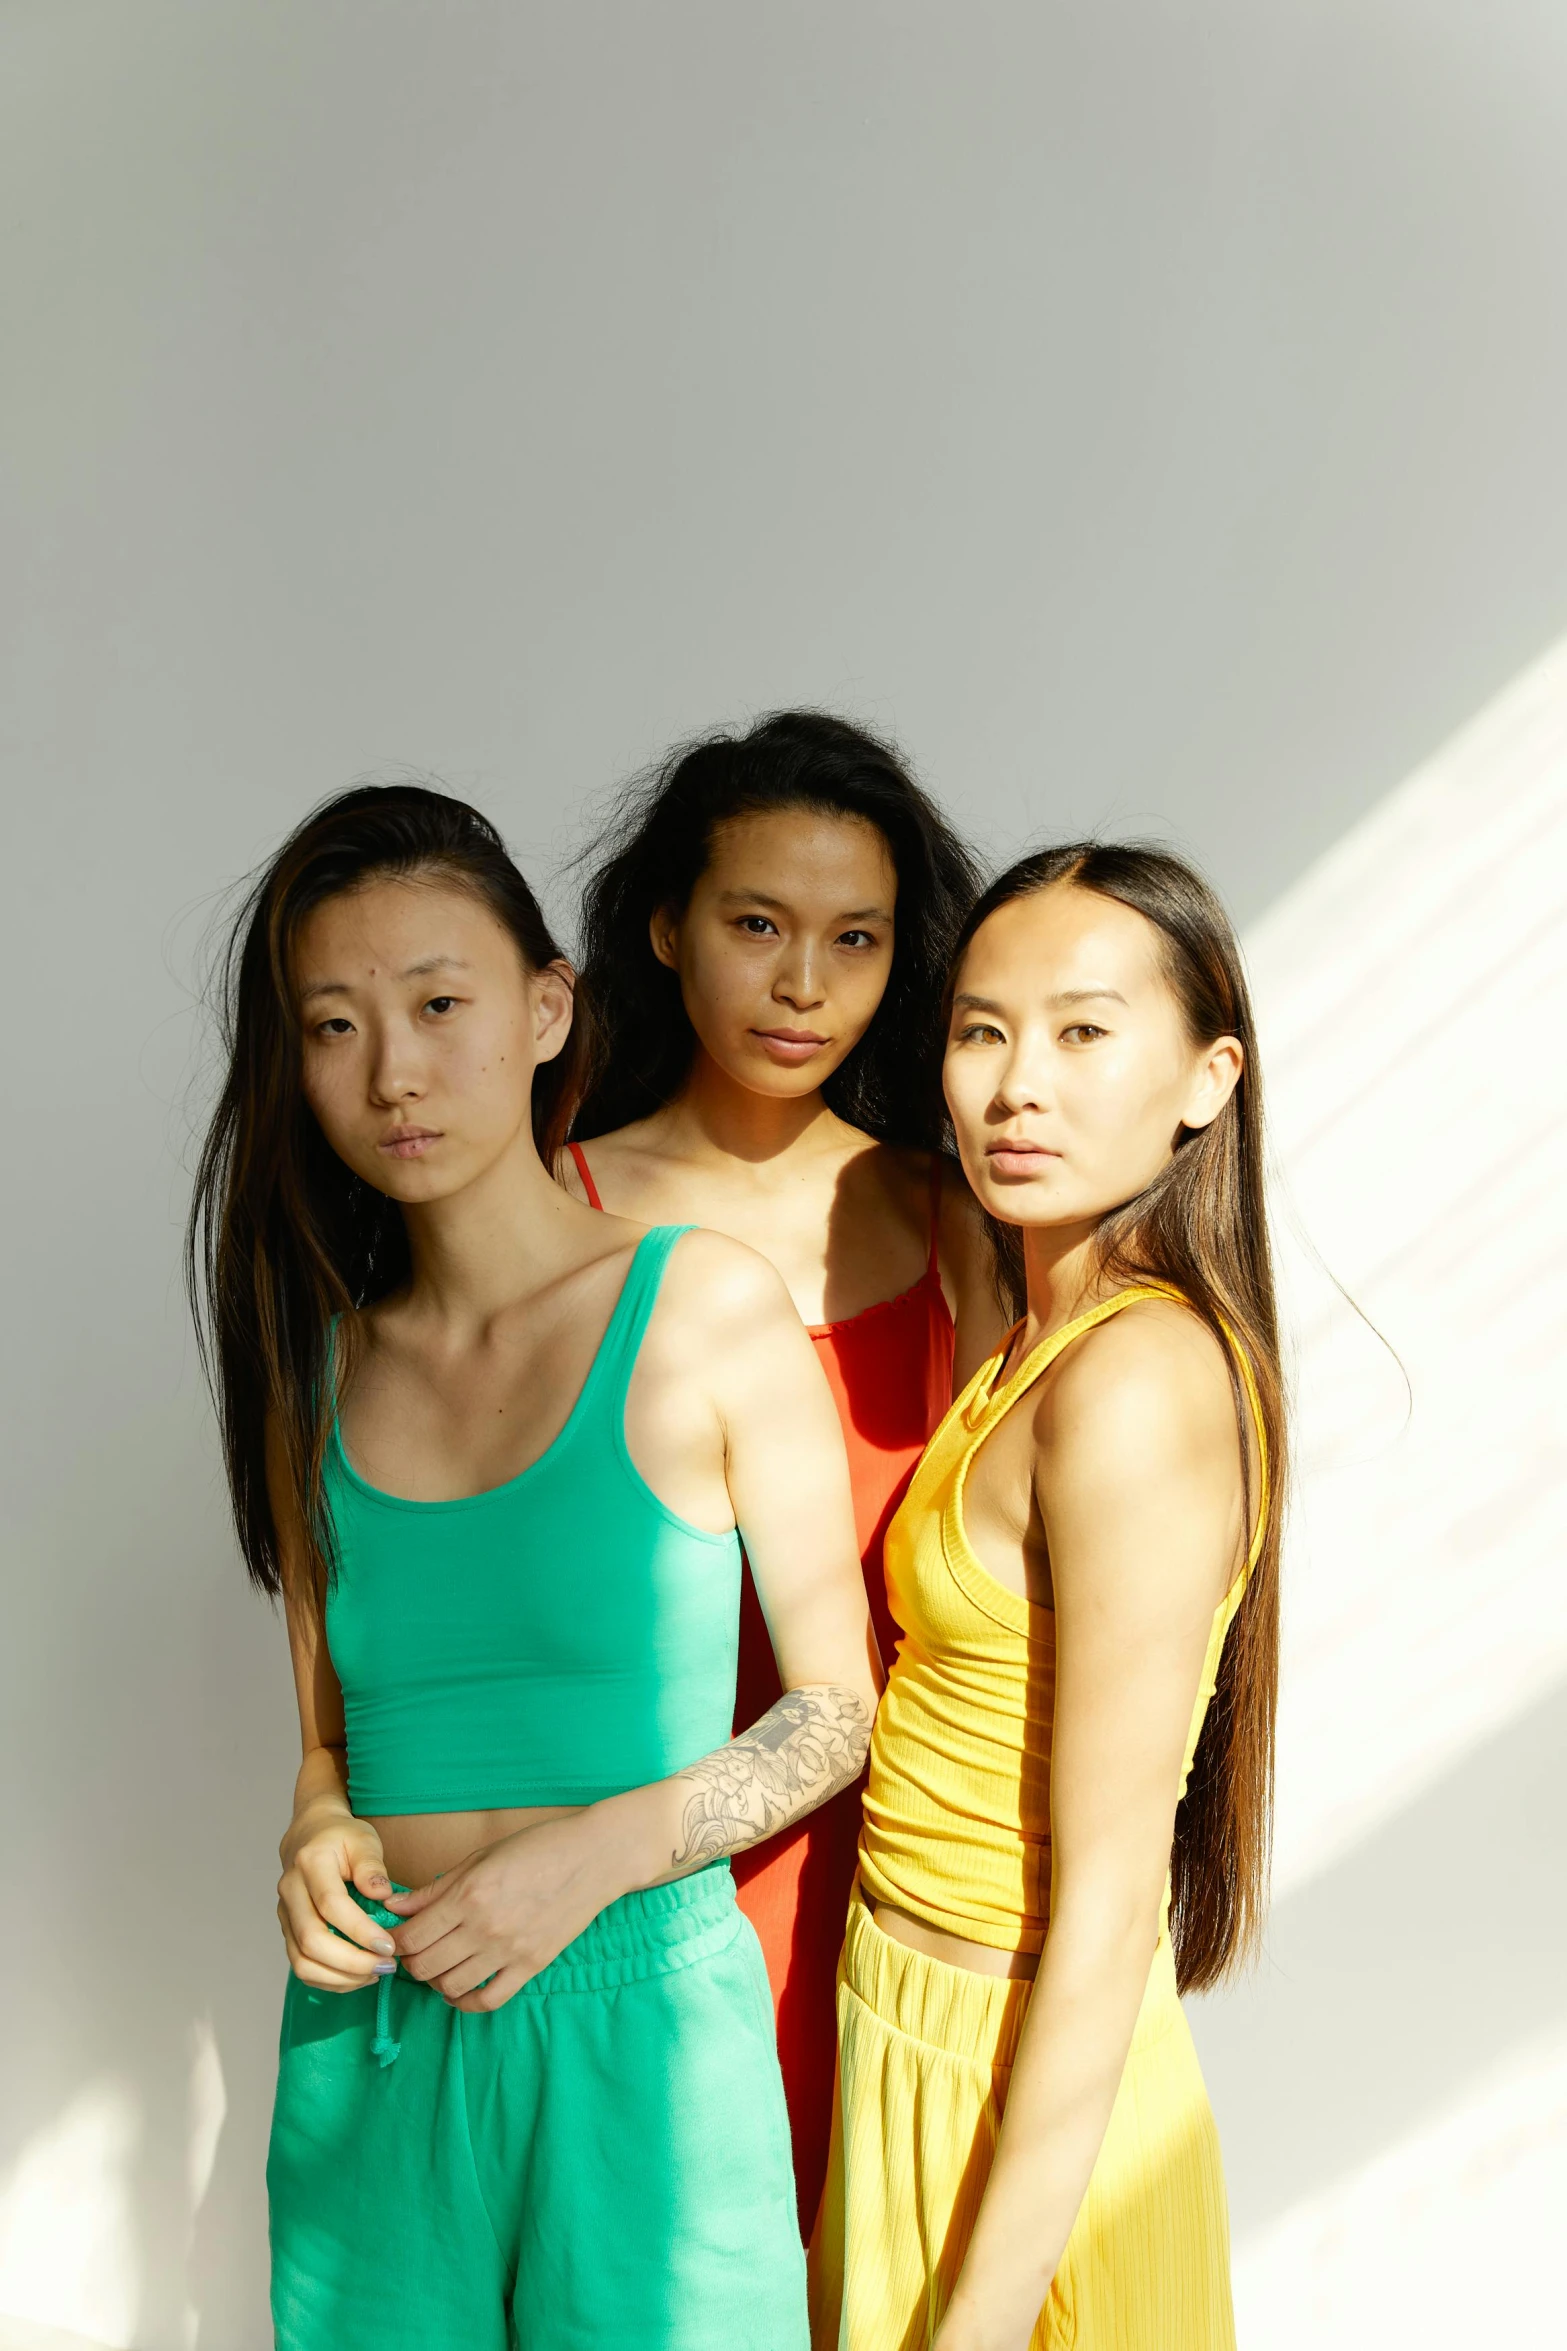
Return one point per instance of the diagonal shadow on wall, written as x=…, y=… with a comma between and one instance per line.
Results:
x=1398, y=1976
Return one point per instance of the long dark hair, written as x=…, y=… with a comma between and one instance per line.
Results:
x=659, y=842
x=283, y=1238
x=1201, y=1227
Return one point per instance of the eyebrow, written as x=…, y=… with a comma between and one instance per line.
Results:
x=416, y=971
x=761, y=898
x=1060, y=1001
x=429, y=963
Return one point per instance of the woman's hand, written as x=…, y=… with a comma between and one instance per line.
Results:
x=485, y=1928
x=326, y=1851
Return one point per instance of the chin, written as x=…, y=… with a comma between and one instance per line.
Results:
x=412, y=1183
x=777, y=1080
x=1025, y=1201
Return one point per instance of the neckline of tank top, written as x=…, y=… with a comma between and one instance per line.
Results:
x=509, y=1485
x=983, y=1392
x=988, y=1386
x=930, y=1279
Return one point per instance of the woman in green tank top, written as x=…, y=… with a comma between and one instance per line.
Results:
x=497, y=1454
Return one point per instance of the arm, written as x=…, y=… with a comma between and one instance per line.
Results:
x=1138, y=1482
x=788, y=1480
x=324, y=1848
x=763, y=1408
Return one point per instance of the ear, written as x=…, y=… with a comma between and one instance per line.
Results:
x=664, y=936
x=553, y=991
x=1217, y=1075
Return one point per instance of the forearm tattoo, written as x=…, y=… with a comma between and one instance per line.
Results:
x=803, y=1750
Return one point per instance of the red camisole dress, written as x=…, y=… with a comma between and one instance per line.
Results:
x=890, y=1372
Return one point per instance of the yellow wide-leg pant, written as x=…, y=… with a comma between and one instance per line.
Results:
x=924, y=2055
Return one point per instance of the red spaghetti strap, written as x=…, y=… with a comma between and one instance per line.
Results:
x=586, y=1173
x=933, y=1267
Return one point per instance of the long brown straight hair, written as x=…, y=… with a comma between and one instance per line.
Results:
x=283, y=1238
x=1201, y=1227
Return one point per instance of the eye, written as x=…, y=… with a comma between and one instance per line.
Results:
x=979, y=1032
x=757, y=926
x=1083, y=1031
x=858, y=940
x=337, y=1026
x=440, y=1004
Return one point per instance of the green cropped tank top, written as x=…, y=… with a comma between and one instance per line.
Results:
x=558, y=1639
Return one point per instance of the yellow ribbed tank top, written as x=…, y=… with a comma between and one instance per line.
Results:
x=957, y=1810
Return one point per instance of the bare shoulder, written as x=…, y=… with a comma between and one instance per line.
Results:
x=1138, y=1470
x=888, y=1176
x=725, y=1321
x=904, y=1176
x=635, y=1141
x=568, y=1175
x=623, y=1150
x=724, y=1288
x=1147, y=1389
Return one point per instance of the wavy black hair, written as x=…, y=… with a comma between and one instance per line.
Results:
x=655, y=850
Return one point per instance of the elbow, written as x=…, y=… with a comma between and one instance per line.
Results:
x=862, y=1743
x=1110, y=1923
x=855, y=1712
x=829, y=1728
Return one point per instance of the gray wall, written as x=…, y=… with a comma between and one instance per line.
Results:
x=1151, y=414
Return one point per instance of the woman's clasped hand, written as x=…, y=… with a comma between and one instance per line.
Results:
x=481, y=1931
x=332, y=1944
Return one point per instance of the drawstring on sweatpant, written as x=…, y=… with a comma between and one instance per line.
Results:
x=383, y=2046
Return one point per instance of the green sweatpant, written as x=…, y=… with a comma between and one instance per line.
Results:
x=601, y=2165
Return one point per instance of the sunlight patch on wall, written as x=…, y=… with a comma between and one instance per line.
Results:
x=1412, y=996
x=25, y=2334
x=69, y=2271
x=67, y=2223
x=209, y=2105
x=1449, y=2239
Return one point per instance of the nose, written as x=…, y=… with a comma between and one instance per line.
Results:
x=1024, y=1082
x=797, y=981
x=395, y=1074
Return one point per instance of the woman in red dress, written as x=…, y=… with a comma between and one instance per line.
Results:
x=765, y=944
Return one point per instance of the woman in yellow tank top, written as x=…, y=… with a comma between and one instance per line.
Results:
x=1067, y=1818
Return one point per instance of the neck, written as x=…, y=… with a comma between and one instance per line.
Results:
x=496, y=1240
x=1062, y=1277
x=714, y=1118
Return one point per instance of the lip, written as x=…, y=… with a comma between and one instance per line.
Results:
x=408, y=1142
x=790, y=1046
x=1018, y=1158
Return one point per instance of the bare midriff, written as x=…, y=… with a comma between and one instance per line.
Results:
x=421, y=1846
x=953, y=1950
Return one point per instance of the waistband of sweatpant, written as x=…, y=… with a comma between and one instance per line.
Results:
x=650, y=1932
x=975, y=2017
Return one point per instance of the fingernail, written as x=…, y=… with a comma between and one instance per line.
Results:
x=385, y=1943
x=386, y=1967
